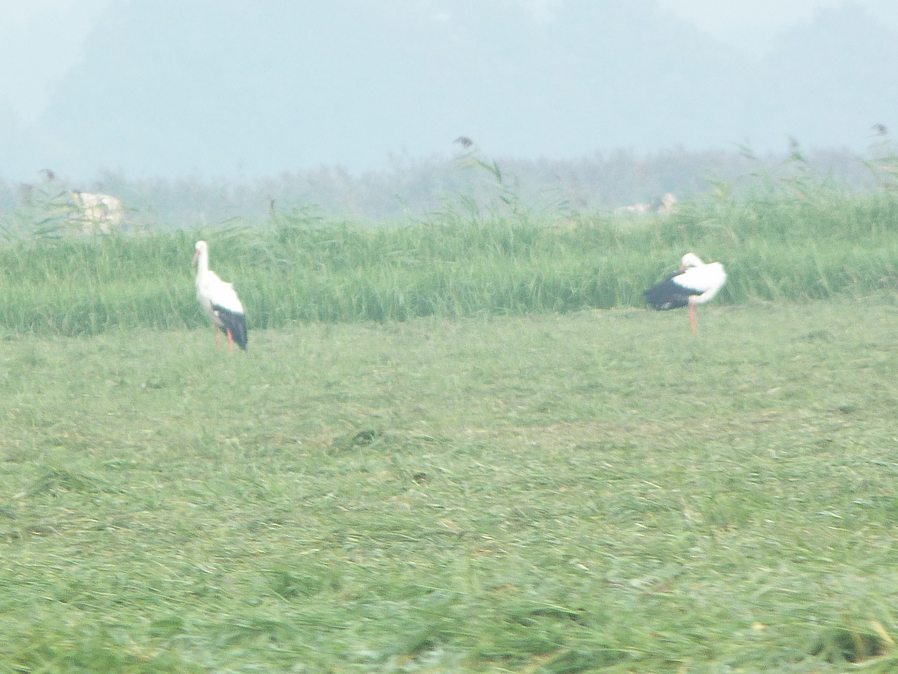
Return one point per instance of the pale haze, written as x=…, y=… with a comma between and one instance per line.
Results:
x=236, y=88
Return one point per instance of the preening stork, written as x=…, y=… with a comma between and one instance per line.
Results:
x=219, y=300
x=694, y=283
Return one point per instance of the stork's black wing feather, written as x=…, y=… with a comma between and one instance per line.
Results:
x=668, y=294
x=233, y=322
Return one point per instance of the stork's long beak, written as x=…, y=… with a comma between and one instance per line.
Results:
x=196, y=256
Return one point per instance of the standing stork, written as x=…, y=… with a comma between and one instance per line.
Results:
x=694, y=283
x=219, y=300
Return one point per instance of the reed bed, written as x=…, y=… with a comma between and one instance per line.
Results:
x=785, y=245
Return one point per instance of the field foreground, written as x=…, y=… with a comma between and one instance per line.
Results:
x=596, y=491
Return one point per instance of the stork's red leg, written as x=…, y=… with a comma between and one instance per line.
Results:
x=692, y=320
x=230, y=342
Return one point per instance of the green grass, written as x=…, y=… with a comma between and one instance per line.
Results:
x=592, y=491
x=775, y=246
x=437, y=457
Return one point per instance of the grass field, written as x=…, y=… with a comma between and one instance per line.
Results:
x=588, y=491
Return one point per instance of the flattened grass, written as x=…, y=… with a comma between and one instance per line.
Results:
x=592, y=491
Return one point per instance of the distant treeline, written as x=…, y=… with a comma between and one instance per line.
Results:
x=410, y=189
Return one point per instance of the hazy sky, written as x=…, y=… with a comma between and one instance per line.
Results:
x=40, y=40
x=752, y=24
x=745, y=22
x=43, y=43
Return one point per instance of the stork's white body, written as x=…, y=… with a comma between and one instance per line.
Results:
x=694, y=283
x=219, y=299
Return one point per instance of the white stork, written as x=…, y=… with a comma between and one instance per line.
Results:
x=694, y=283
x=219, y=300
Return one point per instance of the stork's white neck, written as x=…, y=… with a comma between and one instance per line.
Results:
x=690, y=260
x=202, y=261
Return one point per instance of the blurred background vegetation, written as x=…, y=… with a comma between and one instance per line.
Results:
x=471, y=236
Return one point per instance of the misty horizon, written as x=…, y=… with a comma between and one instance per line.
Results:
x=225, y=89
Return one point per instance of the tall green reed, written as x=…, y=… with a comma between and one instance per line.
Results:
x=782, y=240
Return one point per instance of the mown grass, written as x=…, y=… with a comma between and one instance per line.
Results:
x=594, y=491
x=776, y=245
